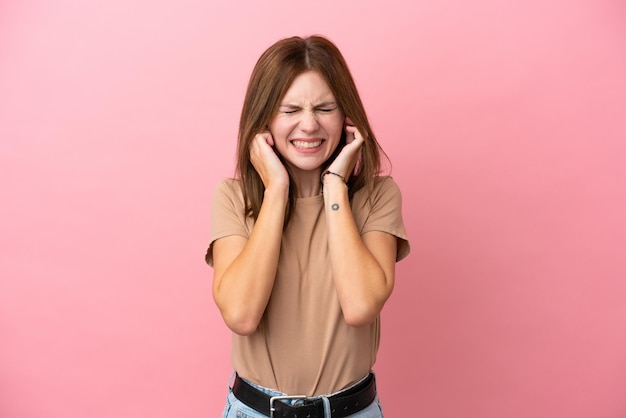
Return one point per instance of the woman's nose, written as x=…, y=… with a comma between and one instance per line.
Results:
x=308, y=122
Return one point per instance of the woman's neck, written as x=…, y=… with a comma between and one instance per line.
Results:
x=308, y=183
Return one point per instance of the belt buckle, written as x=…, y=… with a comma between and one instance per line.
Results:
x=280, y=398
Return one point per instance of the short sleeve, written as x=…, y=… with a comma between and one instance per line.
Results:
x=383, y=213
x=227, y=214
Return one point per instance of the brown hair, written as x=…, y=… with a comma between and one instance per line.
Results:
x=272, y=76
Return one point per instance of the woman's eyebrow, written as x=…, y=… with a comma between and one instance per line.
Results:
x=326, y=104
x=295, y=106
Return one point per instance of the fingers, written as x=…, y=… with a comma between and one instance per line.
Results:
x=266, y=137
x=261, y=143
x=353, y=134
x=259, y=148
x=348, y=157
x=266, y=161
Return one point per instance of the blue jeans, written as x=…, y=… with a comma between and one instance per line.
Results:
x=237, y=409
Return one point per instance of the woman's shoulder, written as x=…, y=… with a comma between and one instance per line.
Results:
x=229, y=191
x=384, y=182
x=384, y=188
x=229, y=186
x=381, y=184
x=229, y=183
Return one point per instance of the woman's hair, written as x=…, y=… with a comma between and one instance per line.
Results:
x=272, y=76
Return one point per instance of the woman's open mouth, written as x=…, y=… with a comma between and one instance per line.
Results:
x=307, y=145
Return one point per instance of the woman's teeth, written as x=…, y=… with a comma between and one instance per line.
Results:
x=307, y=144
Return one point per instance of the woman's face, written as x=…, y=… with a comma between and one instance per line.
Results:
x=308, y=126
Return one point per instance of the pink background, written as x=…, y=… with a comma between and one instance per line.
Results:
x=506, y=124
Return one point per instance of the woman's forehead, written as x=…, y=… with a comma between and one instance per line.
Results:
x=309, y=87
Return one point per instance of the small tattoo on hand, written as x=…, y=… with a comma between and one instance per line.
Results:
x=335, y=206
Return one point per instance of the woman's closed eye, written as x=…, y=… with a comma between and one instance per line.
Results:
x=289, y=109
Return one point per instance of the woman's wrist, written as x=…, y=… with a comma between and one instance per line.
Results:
x=332, y=175
x=276, y=192
x=334, y=183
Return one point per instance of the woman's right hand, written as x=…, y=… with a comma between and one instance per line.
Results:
x=266, y=161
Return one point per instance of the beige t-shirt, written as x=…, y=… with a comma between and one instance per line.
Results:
x=302, y=344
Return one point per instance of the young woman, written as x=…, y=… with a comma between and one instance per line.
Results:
x=305, y=240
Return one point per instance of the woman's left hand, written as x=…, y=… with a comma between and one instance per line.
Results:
x=349, y=155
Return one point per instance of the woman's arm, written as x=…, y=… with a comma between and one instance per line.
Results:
x=363, y=267
x=245, y=269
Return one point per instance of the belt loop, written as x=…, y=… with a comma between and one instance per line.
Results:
x=327, y=413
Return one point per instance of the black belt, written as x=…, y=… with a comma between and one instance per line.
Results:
x=342, y=404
